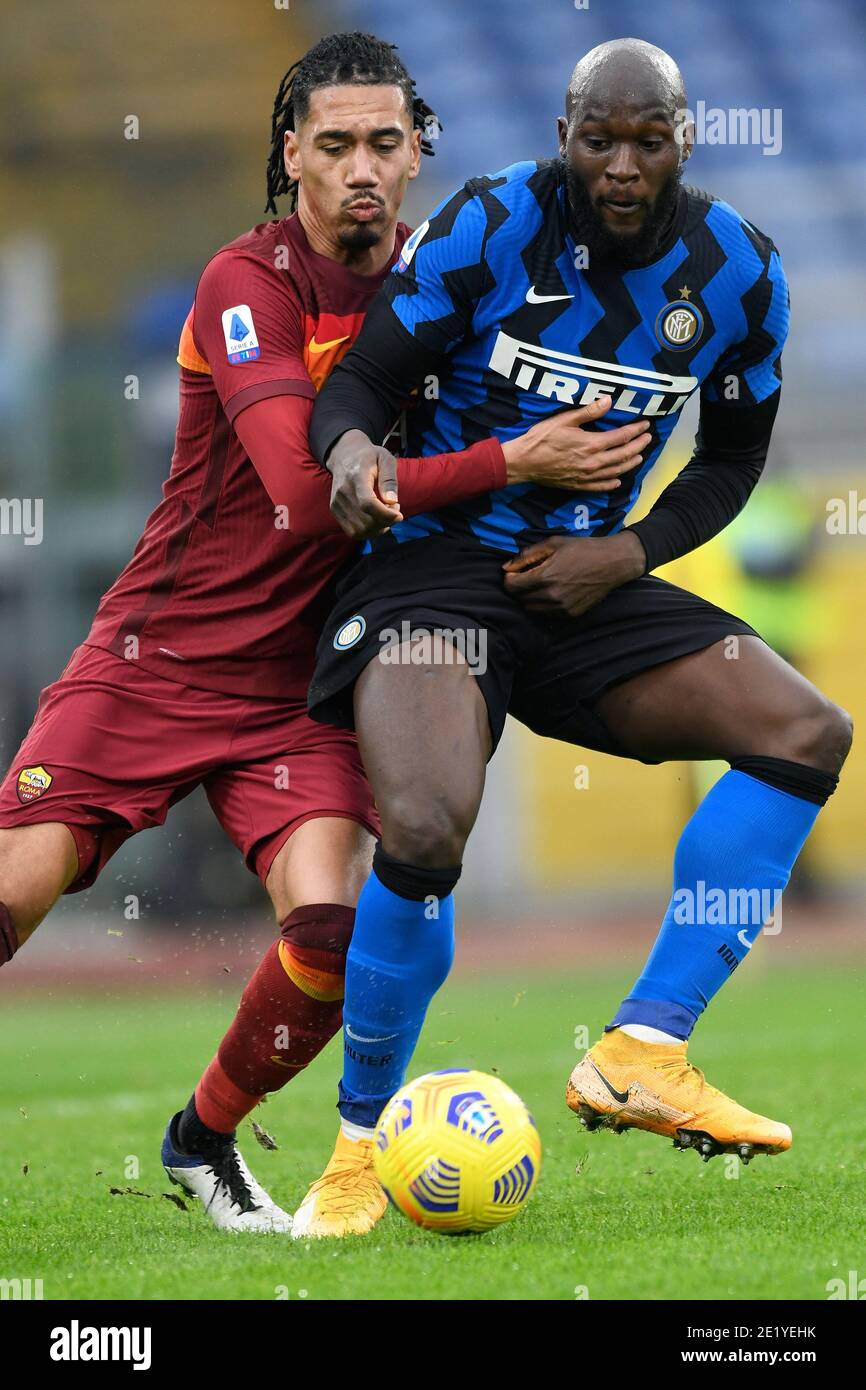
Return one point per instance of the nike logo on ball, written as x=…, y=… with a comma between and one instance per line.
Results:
x=532, y=297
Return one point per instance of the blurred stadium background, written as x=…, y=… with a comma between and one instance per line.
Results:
x=102, y=238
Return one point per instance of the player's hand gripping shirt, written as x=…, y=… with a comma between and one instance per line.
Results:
x=493, y=300
x=218, y=593
x=232, y=577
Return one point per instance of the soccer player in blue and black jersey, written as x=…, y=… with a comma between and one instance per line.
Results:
x=593, y=279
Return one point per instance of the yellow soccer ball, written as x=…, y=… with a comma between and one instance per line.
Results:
x=457, y=1151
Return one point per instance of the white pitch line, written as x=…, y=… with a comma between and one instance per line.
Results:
x=121, y=1102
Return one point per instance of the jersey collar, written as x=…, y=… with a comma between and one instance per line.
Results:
x=334, y=272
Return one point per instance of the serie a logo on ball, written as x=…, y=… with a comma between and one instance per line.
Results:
x=457, y=1151
x=679, y=325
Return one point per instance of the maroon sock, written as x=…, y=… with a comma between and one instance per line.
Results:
x=291, y=1008
x=9, y=942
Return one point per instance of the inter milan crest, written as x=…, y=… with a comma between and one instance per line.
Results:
x=679, y=324
x=350, y=633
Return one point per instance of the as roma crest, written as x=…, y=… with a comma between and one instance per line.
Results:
x=32, y=782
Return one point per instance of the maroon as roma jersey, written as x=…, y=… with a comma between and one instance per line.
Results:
x=220, y=593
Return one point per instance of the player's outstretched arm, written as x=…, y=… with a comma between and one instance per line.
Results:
x=274, y=433
x=372, y=490
x=268, y=396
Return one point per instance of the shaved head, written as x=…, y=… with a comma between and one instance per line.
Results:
x=626, y=73
x=623, y=144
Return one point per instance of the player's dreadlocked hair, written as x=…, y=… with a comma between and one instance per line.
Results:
x=356, y=59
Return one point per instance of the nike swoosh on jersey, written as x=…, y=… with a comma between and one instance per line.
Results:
x=621, y=1096
x=532, y=297
x=323, y=347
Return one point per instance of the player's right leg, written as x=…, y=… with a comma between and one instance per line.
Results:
x=58, y=824
x=37, y=864
x=309, y=835
x=110, y=749
x=97, y=764
x=424, y=737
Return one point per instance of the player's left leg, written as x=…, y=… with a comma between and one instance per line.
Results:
x=292, y=1005
x=423, y=730
x=786, y=744
x=303, y=819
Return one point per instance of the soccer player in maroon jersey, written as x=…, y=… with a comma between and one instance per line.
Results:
x=196, y=667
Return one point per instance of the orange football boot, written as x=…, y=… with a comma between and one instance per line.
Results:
x=347, y=1200
x=624, y=1083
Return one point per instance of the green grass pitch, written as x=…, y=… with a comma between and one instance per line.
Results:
x=89, y=1083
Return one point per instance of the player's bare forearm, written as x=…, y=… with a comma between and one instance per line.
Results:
x=568, y=575
x=555, y=452
x=364, y=486
x=372, y=490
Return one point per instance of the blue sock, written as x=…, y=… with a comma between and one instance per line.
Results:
x=733, y=860
x=400, y=953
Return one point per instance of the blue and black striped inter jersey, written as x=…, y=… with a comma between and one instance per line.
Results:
x=494, y=289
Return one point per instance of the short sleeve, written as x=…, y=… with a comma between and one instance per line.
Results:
x=442, y=272
x=247, y=324
x=751, y=370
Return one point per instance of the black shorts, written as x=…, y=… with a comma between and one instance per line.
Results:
x=547, y=672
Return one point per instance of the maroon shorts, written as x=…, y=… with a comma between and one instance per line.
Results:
x=112, y=747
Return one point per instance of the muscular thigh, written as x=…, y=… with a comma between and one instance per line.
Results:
x=425, y=739
x=654, y=672
x=731, y=700
x=37, y=864
x=646, y=627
